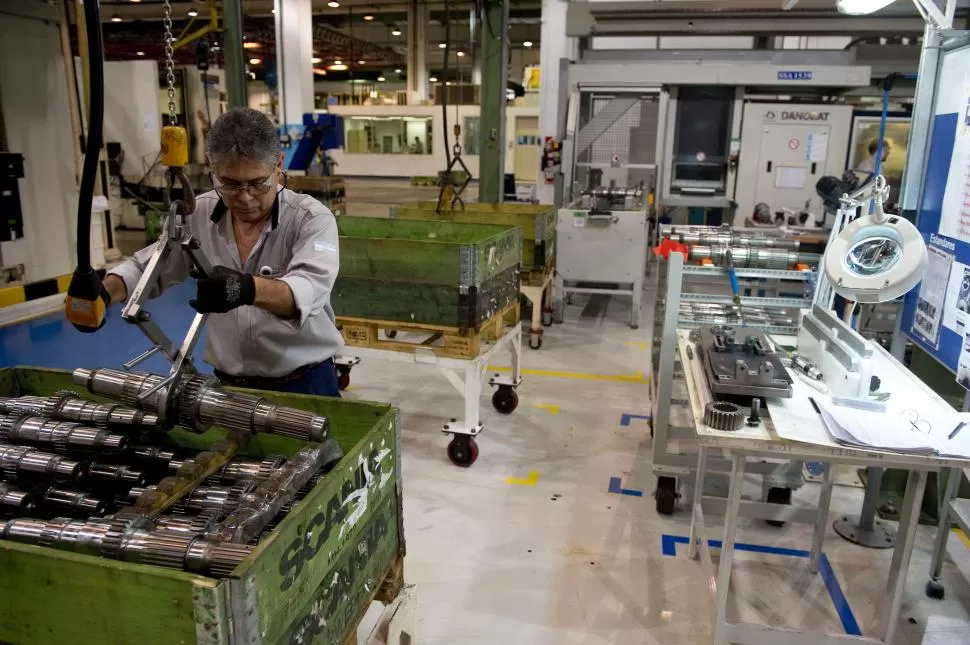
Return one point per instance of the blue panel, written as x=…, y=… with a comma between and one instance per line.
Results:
x=51, y=341
x=937, y=170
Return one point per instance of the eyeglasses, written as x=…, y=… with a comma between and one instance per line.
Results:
x=231, y=188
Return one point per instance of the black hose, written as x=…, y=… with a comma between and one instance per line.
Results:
x=92, y=149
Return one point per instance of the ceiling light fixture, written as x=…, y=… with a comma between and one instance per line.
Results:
x=316, y=59
x=338, y=67
x=255, y=61
x=395, y=32
x=397, y=71
x=140, y=53
x=461, y=54
x=368, y=17
x=861, y=7
x=433, y=79
x=338, y=62
x=381, y=79
x=442, y=45
x=527, y=43
x=362, y=62
x=252, y=45
x=193, y=13
x=319, y=71
x=116, y=18
x=333, y=4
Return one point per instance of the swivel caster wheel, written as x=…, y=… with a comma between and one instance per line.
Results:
x=462, y=450
x=547, y=318
x=935, y=590
x=535, y=341
x=666, y=495
x=505, y=400
x=778, y=496
x=343, y=378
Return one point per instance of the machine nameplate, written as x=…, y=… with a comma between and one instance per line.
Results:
x=795, y=76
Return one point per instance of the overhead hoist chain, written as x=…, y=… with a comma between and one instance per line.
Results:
x=174, y=153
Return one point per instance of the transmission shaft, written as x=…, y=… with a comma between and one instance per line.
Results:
x=17, y=462
x=200, y=402
x=68, y=406
x=62, y=437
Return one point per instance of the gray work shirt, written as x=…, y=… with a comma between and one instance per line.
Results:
x=299, y=247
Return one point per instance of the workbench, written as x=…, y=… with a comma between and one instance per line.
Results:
x=791, y=429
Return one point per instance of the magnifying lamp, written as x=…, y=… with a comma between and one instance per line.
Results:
x=877, y=257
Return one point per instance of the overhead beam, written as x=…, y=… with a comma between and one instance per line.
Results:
x=790, y=24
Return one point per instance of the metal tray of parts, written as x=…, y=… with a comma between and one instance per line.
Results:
x=320, y=565
x=738, y=361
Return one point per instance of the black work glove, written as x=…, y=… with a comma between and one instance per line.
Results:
x=223, y=290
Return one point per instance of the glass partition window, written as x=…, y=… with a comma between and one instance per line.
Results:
x=388, y=135
x=471, y=135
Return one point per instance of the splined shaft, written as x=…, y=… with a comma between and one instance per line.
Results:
x=130, y=540
x=17, y=462
x=14, y=501
x=62, y=501
x=115, y=473
x=221, y=500
x=240, y=469
x=62, y=437
x=68, y=406
x=200, y=402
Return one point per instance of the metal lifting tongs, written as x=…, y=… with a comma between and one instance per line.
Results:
x=176, y=237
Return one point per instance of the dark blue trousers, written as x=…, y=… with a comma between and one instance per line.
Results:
x=320, y=380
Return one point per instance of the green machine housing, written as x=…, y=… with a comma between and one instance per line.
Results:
x=426, y=272
x=308, y=582
x=538, y=224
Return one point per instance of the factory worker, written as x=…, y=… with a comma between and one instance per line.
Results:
x=275, y=257
x=868, y=165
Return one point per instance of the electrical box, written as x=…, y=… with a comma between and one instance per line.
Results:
x=785, y=149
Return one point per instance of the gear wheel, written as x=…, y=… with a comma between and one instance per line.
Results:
x=722, y=415
x=122, y=525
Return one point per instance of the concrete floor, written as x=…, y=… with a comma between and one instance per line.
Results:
x=562, y=560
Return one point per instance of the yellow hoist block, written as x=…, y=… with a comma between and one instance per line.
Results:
x=175, y=147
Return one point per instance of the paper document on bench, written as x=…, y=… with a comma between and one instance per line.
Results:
x=879, y=430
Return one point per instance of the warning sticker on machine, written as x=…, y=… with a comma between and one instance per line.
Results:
x=793, y=144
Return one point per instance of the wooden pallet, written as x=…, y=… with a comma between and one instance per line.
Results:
x=386, y=592
x=445, y=342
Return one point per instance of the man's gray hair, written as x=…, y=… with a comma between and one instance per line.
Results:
x=243, y=134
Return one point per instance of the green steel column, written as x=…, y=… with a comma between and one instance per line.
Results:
x=495, y=52
x=232, y=47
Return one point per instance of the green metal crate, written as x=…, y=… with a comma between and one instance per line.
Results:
x=308, y=582
x=425, y=272
x=538, y=224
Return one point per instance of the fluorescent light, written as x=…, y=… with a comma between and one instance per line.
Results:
x=368, y=17
x=136, y=1
x=338, y=62
x=441, y=45
x=116, y=18
x=255, y=61
x=397, y=71
x=433, y=79
x=527, y=43
x=316, y=59
x=140, y=53
x=362, y=62
x=338, y=67
x=861, y=7
x=319, y=71
x=381, y=79
x=251, y=45
x=395, y=32
x=333, y=4
x=461, y=54
x=193, y=13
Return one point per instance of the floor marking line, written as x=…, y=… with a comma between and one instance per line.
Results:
x=615, y=487
x=627, y=417
x=531, y=480
x=549, y=407
x=637, y=343
x=668, y=546
x=636, y=377
x=963, y=537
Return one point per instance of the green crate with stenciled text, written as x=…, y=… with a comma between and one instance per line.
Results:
x=537, y=221
x=450, y=274
x=321, y=561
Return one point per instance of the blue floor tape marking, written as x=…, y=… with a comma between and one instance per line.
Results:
x=616, y=488
x=626, y=418
x=668, y=545
x=841, y=603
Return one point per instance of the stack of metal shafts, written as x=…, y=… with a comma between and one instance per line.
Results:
x=722, y=314
x=747, y=249
x=65, y=462
x=199, y=402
